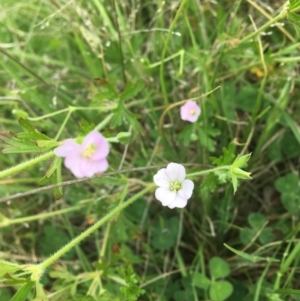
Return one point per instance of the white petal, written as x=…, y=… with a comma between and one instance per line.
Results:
x=175, y=172
x=160, y=179
x=178, y=202
x=186, y=189
x=165, y=195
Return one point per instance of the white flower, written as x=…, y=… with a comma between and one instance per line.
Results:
x=173, y=190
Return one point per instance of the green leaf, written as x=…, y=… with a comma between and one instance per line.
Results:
x=22, y=293
x=246, y=235
x=132, y=290
x=292, y=124
x=164, y=233
x=291, y=201
x=26, y=125
x=8, y=267
x=240, y=161
x=124, y=137
x=227, y=157
x=40, y=293
x=294, y=4
x=256, y=220
x=266, y=235
x=218, y=267
x=57, y=178
x=220, y=290
x=201, y=280
x=122, y=113
x=131, y=90
x=17, y=145
x=289, y=146
x=287, y=183
x=252, y=258
x=210, y=182
x=53, y=239
x=86, y=127
x=239, y=173
x=207, y=138
x=33, y=136
x=290, y=192
x=234, y=182
x=287, y=291
x=84, y=298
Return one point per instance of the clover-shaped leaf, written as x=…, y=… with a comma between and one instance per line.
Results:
x=287, y=183
x=218, y=268
x=290, y=192
x=201, y=280
x=246, y=235
x=220, y=290
x=256, y=220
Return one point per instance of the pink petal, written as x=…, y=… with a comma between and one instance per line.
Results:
x=102, y=150
x=160, y=179
x=175, y=172
x=186, y=189
x=91, y=138
x=86, y=167
x=73, y=162
x=178, y=202
x=100, y=166
x=100, y=143
x=68, y=146
x=187, y=108
x=165, y=195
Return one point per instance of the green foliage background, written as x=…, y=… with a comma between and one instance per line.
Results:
x=137, y=59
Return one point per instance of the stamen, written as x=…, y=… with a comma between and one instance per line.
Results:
x=89, y=151
x=175, y=186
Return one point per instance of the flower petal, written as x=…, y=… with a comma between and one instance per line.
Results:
x=73, y=162
x=190, y=111
x=86, y=167
x=91, y=138
x=100, y=143
x=164, y=195
x=178, y=202
x=161, y=179
x=102, y=151
x=186, y=189
x=175, y=172
x=100, y=166
x=67, y=146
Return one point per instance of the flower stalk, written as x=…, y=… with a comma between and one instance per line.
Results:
x=45, y=264
x=25, y=165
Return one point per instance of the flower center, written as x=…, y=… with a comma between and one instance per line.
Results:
x=175, y=186
x=192, y=112
x=89, y=151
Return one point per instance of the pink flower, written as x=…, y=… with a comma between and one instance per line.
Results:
x=173, y=190
x=86, y=159
x=190, y=111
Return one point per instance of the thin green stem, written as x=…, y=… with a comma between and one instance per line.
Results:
x=203, y=172
x=291, y=257
x=264, y=27
x=24, y=165
x=70, y=109
x=45, y=264
x=48, y=115
x=63, y=124
x=9, y=222
x=112, y=139
x=102, y=124
x=163, y=54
